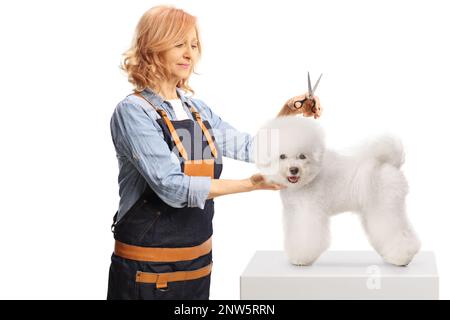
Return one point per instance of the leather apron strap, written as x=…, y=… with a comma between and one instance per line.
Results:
x=174, y=134
x=162, y=279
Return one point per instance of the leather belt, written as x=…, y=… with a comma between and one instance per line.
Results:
x=161, y=254
x=161, y=279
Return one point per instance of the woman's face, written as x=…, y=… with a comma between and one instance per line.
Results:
x=181, y=58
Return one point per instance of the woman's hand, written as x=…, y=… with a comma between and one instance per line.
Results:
x=220, y=187
x=306, y=108
x=258, y=182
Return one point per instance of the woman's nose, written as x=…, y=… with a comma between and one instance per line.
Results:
x=188, y=52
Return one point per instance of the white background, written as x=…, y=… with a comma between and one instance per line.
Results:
x=385, y=66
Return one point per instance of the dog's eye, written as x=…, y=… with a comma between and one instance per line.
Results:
x=302, y=156
x=283, y=156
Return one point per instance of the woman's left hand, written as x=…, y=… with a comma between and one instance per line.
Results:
x=307, y=109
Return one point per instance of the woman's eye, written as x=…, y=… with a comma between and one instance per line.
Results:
x=302, y=156
x=283, y=156
x=182, y=44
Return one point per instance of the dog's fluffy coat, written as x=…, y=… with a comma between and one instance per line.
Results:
x=321, y=182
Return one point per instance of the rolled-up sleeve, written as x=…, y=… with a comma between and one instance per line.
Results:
x=198, y=191
x=232, y=142
x=137, y=134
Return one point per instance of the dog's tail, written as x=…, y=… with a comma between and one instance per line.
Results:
x=386, y=149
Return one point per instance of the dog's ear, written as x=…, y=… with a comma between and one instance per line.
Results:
x=318, y=154
x=262, y=159
x=265, y=147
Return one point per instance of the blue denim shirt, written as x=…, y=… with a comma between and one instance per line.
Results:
x=144, y=157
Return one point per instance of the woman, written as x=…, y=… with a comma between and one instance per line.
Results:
x=169, y=147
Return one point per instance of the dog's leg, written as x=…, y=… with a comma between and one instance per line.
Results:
x=385, y=220
x=307, y=235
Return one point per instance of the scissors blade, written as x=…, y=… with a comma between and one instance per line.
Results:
x=317, y=83
x=309, y=86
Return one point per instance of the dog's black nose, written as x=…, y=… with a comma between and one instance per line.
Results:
x=293, y=170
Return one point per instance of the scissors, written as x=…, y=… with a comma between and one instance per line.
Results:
x=309, y=99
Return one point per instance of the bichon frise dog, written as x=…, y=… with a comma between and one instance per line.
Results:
x=321, y=183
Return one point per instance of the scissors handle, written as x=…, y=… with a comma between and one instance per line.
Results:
x=310, y=101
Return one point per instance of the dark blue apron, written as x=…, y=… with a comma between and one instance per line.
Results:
x=151, y=223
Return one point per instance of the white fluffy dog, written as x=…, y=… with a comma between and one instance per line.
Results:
x=321, y=182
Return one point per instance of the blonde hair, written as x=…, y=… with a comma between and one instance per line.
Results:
x=157, y=31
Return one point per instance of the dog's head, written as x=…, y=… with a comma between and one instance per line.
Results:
x=289, y=150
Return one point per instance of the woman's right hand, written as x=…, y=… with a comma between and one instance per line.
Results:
x=258, y=182
x=291, y=108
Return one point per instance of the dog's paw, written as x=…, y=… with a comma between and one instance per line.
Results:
x=401, y=250
x=305, y=254
x=301, y=264
x=303, y=261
